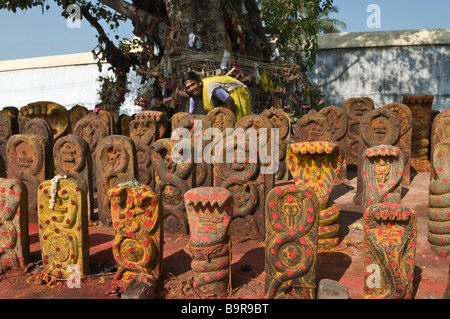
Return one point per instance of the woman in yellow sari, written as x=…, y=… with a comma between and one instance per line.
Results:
x=216, y=91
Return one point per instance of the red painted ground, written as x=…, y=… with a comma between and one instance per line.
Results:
x=344, y=263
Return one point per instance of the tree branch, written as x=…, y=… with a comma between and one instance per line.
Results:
x=134, y=13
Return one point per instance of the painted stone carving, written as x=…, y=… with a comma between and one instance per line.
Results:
x=8, y=127
x=92, y=129
x=420, y=106
x=109, y=118
x=390, y=240
x=55, y=114
x=39, y=126
x=111, y=109
x=266, y=144
x=292, y=221
x=209, y=210
x=282, y=122
x=63, y=227
x=312, y=127
x=162, y=123
x=28, y=160
x=355, y=109
x=441, y=128
x=404, y=114
x=381, y=175
x=238, y=169
x=173, y=178
x=14, y=242
x=316, y=165
x=380, y=127
x=73, y=159
x=76, y=113
x=222, y=118
x=439, y=200
x=338, y=120
x=204, y=177
x=116, y=163
x=123, y=125
x=143, y=133
x=136, y=214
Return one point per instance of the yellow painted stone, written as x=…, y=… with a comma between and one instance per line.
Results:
x=63, y=228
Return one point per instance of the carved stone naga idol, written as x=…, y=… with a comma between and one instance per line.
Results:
x=316, y=165
x=439, y=199
x=379, y=127
x=55, y=114
x=136, y=213
x=63, y=227
x=382, y=173
x=14, y=239
x=420, y=106
x=355, y=108
x=390, y=240
x=116, y=163
x=338, y=120
x=404, y=115
x=173, y=178
x=209, y=210
x=282, y=122
x=292, y=221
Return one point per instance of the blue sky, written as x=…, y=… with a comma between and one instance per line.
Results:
x=27, y=34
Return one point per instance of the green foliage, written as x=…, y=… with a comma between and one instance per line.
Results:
x=295, y=24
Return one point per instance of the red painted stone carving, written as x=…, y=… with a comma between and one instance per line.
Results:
x=338, y=120
x=116, y=163
x=162, y=123
x=76, y=113
x=222, y=118
x=312, y=127
x=292, y=221
x=204, y=174
x=282, y=122
x=63, y=227
x=92, y=129
x=379, y=127
x=420, y=106
x=439, y=200
x=390, y=241
x=316, y=165
x=143, y=133
x=55, y=114
x=108, y=116
x=137, y=219
x=355, y=109
x=241, y=175
x=209, y=210
x=28, y=160
x=14, y=239
x=172, y=179
x=73, y=159
x=123, y=125
x=381, y=175
x=8, y=127
x=441, y=128
x=404, y=114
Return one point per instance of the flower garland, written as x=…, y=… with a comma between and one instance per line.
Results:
x=54, y=190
